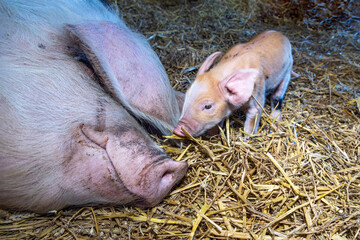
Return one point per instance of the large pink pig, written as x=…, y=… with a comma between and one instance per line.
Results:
x=75, y=83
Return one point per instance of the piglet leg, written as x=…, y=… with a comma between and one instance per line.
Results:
x=277, y=97
x=253, y=113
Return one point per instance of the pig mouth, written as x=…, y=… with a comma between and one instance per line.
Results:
x=194, y=129
x=183, y=125
x=121, y=182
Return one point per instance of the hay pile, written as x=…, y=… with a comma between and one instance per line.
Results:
x=296, y=179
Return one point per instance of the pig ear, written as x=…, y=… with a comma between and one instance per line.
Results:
x=239, y=87
x=94, y=39
x=129, y=70
x=209, y=62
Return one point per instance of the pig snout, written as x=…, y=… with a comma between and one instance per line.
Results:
x=208, y=131
x=189, y=126
x=192, y=126
x=158, y=180
x=146, y=174
x=178, y=131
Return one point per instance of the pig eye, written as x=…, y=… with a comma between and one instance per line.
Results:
x=207, y=107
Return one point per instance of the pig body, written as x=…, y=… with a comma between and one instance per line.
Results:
x=69, y=131
x=257, y=68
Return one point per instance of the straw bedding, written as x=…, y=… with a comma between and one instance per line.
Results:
x=295, y=179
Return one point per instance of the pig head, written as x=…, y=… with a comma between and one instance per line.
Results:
x=75, y=86
x=242, y=78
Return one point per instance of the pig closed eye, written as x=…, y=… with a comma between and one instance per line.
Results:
x=207, y=107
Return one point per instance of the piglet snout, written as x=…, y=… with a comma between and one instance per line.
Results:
x=178, y=131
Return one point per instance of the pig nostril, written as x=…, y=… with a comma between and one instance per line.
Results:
x=167, y=176
x=179, y=132
x=167, y=180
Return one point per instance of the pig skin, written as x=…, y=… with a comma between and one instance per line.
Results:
x=68, y=134
x=242, y=78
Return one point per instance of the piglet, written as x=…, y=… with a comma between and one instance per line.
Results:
x=242, y=78
x=76, y=87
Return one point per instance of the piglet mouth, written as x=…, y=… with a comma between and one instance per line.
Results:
x=179, y=130
x=187, y=128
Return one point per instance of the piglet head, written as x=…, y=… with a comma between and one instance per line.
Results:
x=203, y=108
x=120, y=166
x=210, y=99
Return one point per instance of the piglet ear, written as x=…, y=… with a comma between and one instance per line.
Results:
x=209, y=62
x=239, y=87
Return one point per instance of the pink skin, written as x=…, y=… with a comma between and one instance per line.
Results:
x=178, y=130
x=241, y=79
x=143, y=178
x=198, y=117
x=67, y=88
x=103, y=43
x=192, y=126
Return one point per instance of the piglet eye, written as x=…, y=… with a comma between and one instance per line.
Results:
x=208, y=106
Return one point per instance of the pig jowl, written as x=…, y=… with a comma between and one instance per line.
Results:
x=122, y=165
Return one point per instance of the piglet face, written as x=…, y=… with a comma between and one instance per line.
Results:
x=120, y=165
x=210, y=99
x=204, y=107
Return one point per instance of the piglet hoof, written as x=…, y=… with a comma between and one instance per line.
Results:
x=246, y=137
x=276, y=115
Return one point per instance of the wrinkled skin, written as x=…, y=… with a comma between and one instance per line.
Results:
x=69, y=131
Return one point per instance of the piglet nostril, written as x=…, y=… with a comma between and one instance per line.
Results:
x=178, y=131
